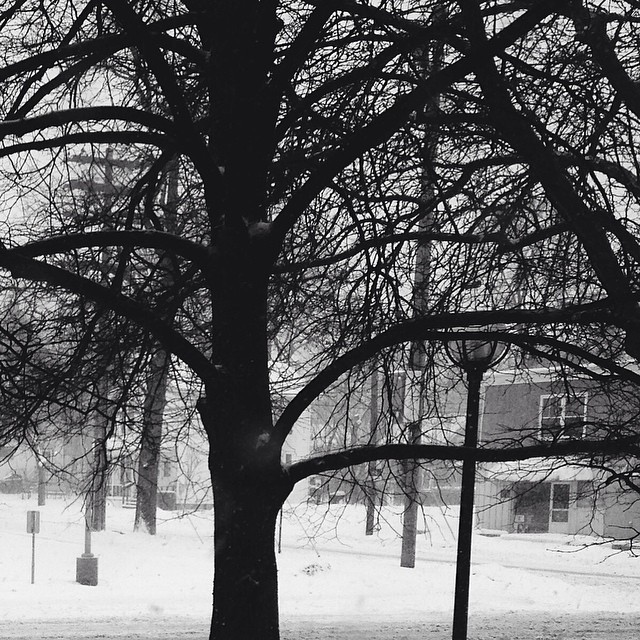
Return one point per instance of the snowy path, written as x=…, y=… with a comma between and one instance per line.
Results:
x=483, y=558
x=499, y=627
x=105, y=629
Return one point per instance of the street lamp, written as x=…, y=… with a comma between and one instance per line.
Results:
x=474, y=356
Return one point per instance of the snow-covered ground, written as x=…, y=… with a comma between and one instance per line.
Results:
x=328, y=569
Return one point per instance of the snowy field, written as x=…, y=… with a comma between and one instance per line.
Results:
x=334, y=581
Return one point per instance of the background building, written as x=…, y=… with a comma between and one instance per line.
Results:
x=573, y=495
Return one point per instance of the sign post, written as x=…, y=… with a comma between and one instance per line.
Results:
x=33, y=527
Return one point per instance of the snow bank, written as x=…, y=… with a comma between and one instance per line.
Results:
x=327, y=567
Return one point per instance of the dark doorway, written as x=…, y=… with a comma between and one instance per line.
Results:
x=532, y=507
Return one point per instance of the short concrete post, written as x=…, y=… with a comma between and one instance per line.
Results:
x=87, y=563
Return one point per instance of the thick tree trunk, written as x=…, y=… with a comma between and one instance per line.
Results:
x=249, y=483
x=249, y=488
x=245, y=592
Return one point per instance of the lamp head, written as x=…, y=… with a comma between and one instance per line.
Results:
x=475, y=354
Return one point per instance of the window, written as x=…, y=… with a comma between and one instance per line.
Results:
x=562, y=417
x=585, y=493
x=560, y=503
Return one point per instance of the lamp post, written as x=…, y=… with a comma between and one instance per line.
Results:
x=474, y=356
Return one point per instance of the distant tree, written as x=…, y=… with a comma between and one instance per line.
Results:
x=44, y=398
x=155, y=399
x=302, y=207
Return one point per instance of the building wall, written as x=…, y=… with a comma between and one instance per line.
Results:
x=492, y=510
x=511, y=411
x=620, y=512
x=512, y=407
x=499, y=505
x=512, y=415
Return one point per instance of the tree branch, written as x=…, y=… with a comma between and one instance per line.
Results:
x=105, y=46
x=591, y=28
x=194, y=146
x=385, y=124
x=544, y=163
x=107, y=137
x=503, y=243
x=300, y=47
x=24, y=267
x=438, y=328
x=359, y=455
x=147, y=239
x=85, y=114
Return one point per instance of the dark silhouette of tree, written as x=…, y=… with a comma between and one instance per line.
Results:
x=303, y=203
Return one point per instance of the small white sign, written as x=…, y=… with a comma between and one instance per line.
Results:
x=33, y=522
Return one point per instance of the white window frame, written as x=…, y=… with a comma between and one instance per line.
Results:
x=564, y=399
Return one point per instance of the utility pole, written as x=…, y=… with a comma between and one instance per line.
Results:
x=372, y=469
x=429, y=61
x=42, y=476
x=97, y=503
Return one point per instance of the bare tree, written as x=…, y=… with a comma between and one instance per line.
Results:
x=156, y=393
x=302, y=206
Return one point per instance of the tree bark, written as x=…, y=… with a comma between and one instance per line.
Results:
x=249, y=488
x=249, y=483
x=245, y=593
x=150, y=444
x=156, y=396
